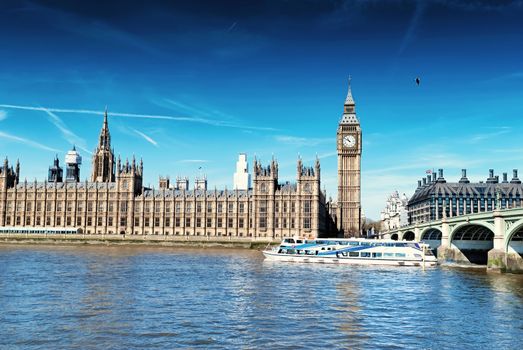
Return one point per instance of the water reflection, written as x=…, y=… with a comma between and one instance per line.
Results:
x=132, y=297
x=348, y=292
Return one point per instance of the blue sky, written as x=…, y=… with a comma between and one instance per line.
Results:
x=266, y=78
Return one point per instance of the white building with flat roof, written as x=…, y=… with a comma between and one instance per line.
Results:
x=242, y=178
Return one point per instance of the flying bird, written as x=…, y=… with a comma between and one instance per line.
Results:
x=417, y=81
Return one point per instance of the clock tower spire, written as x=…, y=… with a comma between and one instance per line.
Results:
x=349, y=169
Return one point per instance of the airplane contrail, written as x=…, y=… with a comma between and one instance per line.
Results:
x=68, y=134
x=140, y=116
x=146, y=137
x=88, y=111
x=4, y=135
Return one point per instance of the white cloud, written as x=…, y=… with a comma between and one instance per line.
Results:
x=193, y=161
x=303, y=141
x=485, y=136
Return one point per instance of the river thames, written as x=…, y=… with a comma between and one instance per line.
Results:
x=164, y=298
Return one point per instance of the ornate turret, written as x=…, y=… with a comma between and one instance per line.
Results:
x=317, y=167
x=55, y=171
x=299, y=167
x=103, y=156
x=8, y=176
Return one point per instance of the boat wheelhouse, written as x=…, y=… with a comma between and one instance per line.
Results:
x=353, y=251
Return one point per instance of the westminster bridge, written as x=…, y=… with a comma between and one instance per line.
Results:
x=493, y=238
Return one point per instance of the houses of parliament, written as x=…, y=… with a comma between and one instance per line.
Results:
x=115, y=201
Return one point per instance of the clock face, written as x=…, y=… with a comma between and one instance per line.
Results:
x=349, y=141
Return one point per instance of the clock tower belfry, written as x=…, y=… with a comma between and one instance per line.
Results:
x=349, y=170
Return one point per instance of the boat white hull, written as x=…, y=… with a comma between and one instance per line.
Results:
x=274, y=256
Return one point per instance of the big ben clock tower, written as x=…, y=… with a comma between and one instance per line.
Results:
x=349, y=170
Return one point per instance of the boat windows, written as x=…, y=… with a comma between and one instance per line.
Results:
x=291, y=251
x=376, y=255
x=388, y=255
x=400, y=255
x=365, y=254
x=354, y=254
x=417, y=256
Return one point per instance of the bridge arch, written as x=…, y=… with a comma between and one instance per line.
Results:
x=408, y=236
x=514, y=238
x=394, y=237
x=458, y=227
x=431, y=233
x=432, y=236
x=474, y=240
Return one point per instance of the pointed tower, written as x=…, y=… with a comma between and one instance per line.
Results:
x=103, y=156
x=349, y=169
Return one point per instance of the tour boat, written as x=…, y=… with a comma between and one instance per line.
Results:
x=353, y=251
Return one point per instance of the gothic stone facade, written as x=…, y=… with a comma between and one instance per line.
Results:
x=395, y=213
x=115, y=202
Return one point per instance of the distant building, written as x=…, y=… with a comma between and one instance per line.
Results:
x=116, y=202
x=436, y=198
x=242, y=178
x=395, y=213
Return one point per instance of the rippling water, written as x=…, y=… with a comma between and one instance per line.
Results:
x=128, y=298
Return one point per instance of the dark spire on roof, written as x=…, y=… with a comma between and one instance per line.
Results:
x=105, y=136
x=515, y=179
x=464, y=179
x=491, y=178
